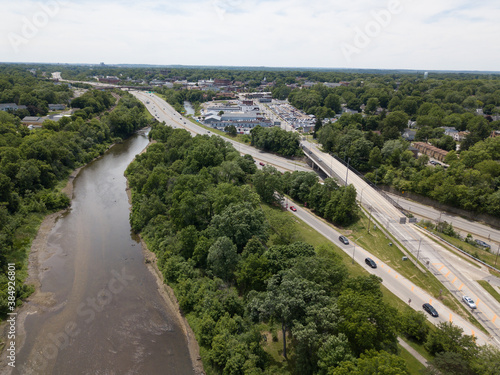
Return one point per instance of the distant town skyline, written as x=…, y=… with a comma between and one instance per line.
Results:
x=394, y=34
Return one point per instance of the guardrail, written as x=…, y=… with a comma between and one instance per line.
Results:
x=458, y=249
x=360, y=175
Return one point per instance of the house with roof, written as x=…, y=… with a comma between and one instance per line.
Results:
x=11, y=107
x=430, y=150
x=57, y=107
x=451, y=131
x=409, y=134
x=33, y=120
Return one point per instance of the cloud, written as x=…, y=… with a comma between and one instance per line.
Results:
x=424, y=34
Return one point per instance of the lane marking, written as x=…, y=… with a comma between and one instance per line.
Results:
x=461, y=286
x=448, y=274
x=455, y=279
x=494, y=318
x=451, y=318
x=441, y=268
x=412, y=288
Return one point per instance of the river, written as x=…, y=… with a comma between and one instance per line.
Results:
x=189, y=108
x=106, y=314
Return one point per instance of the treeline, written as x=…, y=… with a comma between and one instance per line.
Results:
x=326, y=199
x=240, y=276
x=24, y=88
x=471, y=181
x=178, y=95
x=33, y=162
x=388, y=105
x=276, y=140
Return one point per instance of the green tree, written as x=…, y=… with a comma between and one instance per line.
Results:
x=231, y=130
x=449, y=338
x=223, y=258
x=240, y=222
x=287, y=299
x=414, y=325
x=267, y=183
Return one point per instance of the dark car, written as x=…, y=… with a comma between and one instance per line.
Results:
x=371, y=262
x=431, y=310
x=261, y=163
x=483, y=244
x=344, y=240
x=293, y=208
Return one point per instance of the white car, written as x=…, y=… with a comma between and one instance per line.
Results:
x=469, y=302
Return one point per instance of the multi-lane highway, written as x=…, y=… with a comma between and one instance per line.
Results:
x=478, y=230
x=385, y=213
x=164, y=112
x=455, y=274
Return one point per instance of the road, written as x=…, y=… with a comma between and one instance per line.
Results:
x=455, y=274
x=392, y=280
x=164, y=112
x=478, y=230
x=384, y=212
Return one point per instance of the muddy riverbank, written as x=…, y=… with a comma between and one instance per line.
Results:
x=98, y=309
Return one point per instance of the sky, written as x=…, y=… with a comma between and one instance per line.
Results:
x=371, y=34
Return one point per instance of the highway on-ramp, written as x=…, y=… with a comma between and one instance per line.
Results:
x=456, y=275
x=387, y=215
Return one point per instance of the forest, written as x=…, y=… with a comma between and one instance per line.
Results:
x=362, y=117
x=35, y=163
x=242, y=278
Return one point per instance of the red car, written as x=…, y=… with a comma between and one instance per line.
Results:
x=261, y=163
x=293, y=208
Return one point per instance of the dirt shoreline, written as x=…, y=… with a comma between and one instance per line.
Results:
x=39, y=300
x=168, y=296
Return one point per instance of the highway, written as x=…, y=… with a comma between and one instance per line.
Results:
x=455, y=274
x=164, y=112
x=478, y=230
x=385, y=213
x=392, y=280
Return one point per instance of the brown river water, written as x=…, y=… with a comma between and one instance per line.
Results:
x=106, y=316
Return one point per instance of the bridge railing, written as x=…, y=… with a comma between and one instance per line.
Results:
x=329, y=170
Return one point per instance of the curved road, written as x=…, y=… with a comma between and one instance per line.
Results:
x=386, y=214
